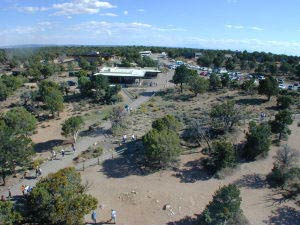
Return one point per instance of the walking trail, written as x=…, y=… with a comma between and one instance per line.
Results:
x=53, y=166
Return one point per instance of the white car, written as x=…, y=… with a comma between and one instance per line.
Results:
x=281, y=86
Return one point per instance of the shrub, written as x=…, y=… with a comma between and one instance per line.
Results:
x=285, y=101
x=167, y=122
x=258, y=141
x=162, y=148
x=224, y=208
x=222, y=156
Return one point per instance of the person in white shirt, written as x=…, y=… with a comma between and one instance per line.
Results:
x=113, y=216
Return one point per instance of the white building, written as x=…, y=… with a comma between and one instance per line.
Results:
x=145, y=53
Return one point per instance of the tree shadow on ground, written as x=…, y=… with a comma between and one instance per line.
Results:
x=186, y=221
x=284, y=216
x=95, y=132
x=251, y=101
x=46, y=146
x=193, y=171
x=127, y=163
x=254, y=181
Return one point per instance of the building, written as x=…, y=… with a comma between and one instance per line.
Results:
x=145, y=53
x=198, y=54
x=127, y=75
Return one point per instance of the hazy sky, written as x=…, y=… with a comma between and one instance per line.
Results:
x=263, y=25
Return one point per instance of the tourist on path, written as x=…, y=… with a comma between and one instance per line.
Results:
x=63, y=153
x=73, y=148
x=113, y=216
x=94, y=217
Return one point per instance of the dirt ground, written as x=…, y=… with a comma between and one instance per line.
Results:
x=140, y=199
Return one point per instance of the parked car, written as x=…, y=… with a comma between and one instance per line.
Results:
x=281, y=86
x=296, y=84
x=71, y=83
x=290, y=87
x=261, y=77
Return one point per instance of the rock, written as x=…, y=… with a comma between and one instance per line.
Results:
x=167, y=207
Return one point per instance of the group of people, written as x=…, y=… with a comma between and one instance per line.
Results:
x=63, y=152
x=124, y=138
x=25, y=190
x=113, y=218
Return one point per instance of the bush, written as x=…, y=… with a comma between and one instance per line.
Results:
x=258, y=141
x=285, y=101
x=167, y=122
x=224, y=208
x=162, y=148
x=222, y=156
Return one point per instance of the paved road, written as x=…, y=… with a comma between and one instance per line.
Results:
x=84, y=142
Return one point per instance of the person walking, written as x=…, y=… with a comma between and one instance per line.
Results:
x=23, y=189
x=94, y=217
x=63, y=153
x=40, y=171
x=113, y=216
x=9, y=194
x=36, y=172
x=73, y=148
x=124, y=138
x=53, y=154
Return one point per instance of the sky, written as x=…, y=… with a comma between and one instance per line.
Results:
x=253, y=25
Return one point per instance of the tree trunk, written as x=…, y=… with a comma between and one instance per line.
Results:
x=3, y=178
x=280, y=136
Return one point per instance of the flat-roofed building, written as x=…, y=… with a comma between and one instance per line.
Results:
x=145, y=53
x=127, y=75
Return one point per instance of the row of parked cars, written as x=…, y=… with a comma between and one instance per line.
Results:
x=291, y=87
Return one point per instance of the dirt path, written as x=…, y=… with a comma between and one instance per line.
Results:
x=81, y=145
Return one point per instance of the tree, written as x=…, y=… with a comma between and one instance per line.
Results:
x=199, y=85
x=248, y=86
x=214, y=81
x=272, y=68
x=204, y=61
x=230, y=65
x=4, y=92
x=85, y=85
x=183, y=75
x=162, y=148
x=8, y=216
x=285, y=67
x=224, y=116
x=14, y=150
x=225, y=80
x=54, y=101
x=222, y=156
x=199, y=132
x=218, y=60
x=280, y=124
x=297, y=71
x=60, y=198
x=285, y=170
x=268, y=87
x=168, y=122
x=285, y=101
x=224, y=208
x=47, y=70
x=258, y=141
x=71, y=126
x=20, y=121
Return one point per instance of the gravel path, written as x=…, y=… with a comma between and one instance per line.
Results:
x=83, y=143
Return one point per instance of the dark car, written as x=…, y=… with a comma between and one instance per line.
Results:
x=71, y=83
